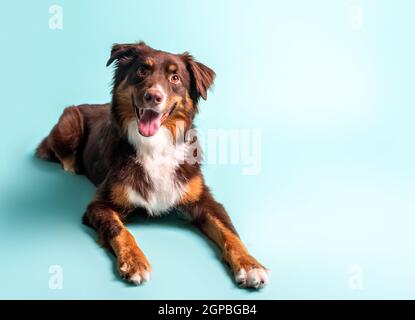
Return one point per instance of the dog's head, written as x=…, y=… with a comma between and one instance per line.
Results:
x=156, y=88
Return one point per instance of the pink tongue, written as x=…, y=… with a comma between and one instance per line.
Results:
x=149, y=123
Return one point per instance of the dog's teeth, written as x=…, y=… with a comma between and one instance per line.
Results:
x=141, y=112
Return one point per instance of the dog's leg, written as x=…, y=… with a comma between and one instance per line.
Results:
x=64, y=139
x=213, y=221
x=131, y=261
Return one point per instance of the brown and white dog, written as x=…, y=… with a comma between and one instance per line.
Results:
x=128, y=150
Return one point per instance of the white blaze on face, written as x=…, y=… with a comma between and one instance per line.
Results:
x=161, y=108
x=151, y=116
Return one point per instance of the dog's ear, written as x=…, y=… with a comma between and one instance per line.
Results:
x=202, y=77
x=120, y=52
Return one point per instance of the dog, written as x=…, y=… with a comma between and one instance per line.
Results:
x=133, y=150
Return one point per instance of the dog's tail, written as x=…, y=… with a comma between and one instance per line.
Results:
x=45, y=152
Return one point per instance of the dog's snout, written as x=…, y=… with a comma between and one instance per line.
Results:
x=153, y=96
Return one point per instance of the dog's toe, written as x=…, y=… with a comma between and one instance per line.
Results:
x=139, y=277
x=135, y=269
x=254, y=278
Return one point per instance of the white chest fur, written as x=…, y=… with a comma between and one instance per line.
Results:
x=160, y=158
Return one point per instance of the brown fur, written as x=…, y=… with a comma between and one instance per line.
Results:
x=131, y=260
x=118, y=195
x=194, y=190
x=92, y=140
x=233, y=250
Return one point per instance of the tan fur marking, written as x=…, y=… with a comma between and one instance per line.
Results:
x=123, y=242
x=173, y=125
x=194, y=190
x=177, y=119
x=189, y=102
x=117, y=219
x=234, y=251
x=174, y=99
x=149, y=62
x=131, y=260
x=125, y=108
x=172, y=68
x=119, y=195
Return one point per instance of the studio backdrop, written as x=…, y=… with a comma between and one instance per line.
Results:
x=307, y=134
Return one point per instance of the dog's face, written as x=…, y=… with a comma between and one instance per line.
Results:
x=156, y=88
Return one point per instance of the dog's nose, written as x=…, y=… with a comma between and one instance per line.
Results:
x=154, y=96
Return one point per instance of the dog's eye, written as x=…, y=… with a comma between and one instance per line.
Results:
x=142, y=71
x=174, y=78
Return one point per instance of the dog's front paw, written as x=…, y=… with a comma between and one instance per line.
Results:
x=134, y=267
x=252, y=278
x=249, y=273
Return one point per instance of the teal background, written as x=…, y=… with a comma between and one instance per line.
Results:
x=336, y=110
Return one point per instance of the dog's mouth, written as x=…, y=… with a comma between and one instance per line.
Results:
x=149, y=121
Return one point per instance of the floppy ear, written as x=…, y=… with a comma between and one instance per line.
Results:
x=124, y=51
x=201, y=75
